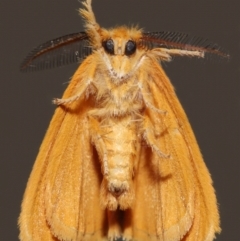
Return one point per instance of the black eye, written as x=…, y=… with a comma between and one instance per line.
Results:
x=108, y=45
x=130, y=47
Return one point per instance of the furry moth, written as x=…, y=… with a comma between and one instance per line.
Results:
x=119, y=158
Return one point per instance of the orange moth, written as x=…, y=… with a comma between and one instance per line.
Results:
x=119, y=158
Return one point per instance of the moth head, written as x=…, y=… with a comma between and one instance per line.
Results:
x=118, y=47
x=120, y=51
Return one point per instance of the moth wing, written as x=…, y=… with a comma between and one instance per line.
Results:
x=175, y=199
x=61, y=201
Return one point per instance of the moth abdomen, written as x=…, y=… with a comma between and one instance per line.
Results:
x=117, y=148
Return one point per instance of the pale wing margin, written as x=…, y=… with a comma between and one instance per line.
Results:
x=62, y=195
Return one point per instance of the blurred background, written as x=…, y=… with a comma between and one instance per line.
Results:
x=209, y=90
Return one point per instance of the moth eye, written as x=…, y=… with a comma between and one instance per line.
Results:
x=130, y=47
x=108, y=45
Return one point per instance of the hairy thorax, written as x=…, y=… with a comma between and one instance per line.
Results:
x=116, y=98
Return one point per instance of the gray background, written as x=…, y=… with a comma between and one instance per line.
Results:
x=208, y=90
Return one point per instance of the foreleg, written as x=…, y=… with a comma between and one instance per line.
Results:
x=151, y=139
x=84, y=84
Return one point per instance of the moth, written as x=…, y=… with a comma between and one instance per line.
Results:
x=119, y=158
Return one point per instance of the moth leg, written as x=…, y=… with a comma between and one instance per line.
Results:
x=181, y=52
x=162, y=55
x=99, y=143
x=83, y=86
x=147, y=97
x=127, y=225
x=114, y=229
x=149, y=137
x=82, y=89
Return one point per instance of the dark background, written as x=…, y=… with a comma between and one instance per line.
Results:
x=209, y=90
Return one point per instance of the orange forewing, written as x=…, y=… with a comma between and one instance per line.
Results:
x=175, y=196
x=65, y=180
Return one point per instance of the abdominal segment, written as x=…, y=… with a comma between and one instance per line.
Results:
x=117, y=142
